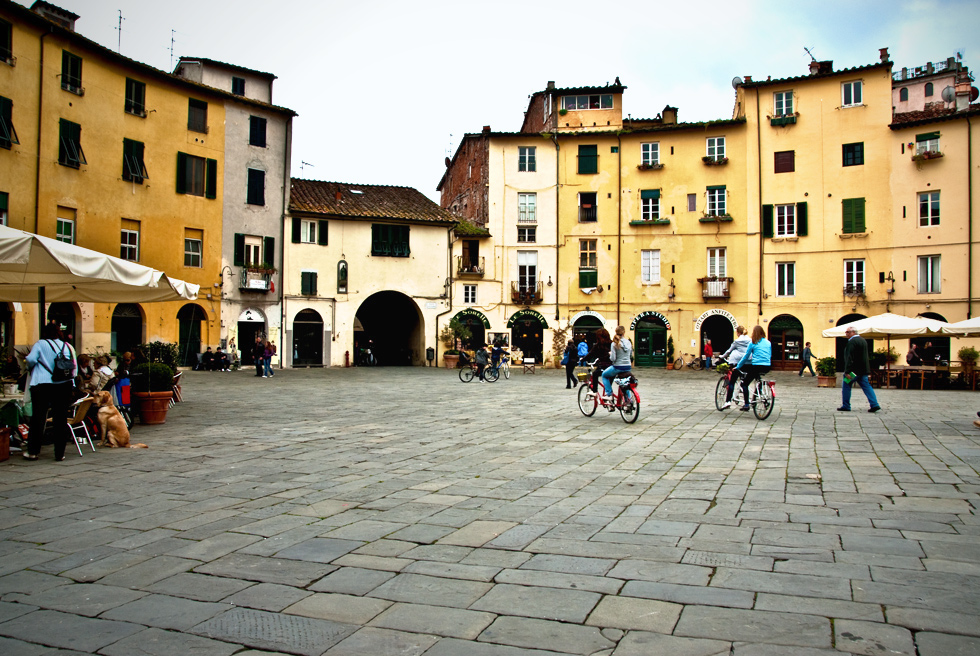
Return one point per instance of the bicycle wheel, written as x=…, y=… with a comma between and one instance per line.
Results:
x=763, y=400
x=506, y=368
x=629, y=406
x=721, y=391
x=678, y=364
x=696, y=364
x=586, y=403
x=491, y=374
x=466, y=374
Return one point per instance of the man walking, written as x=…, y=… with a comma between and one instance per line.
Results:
x=258, y=352
x=805, y=359
x=856, y=368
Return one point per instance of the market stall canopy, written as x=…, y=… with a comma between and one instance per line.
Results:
x=65, y=272
x=966, y=328
x=890, y=325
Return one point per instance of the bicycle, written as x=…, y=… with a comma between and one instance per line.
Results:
x=468, y=372
x=626, y=399
x=492, y=372
x=693, y=363
x=762, y=399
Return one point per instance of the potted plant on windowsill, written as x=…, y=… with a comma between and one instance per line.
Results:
x=714, y=161
x=153, y=388
x=650, y=166
x=827, y=372
x=927, y=154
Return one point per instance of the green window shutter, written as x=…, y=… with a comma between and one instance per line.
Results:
x=712, y=187
x=588, y=159
x=239, y=258
x=297, y=229
x=859, y=225
x=801, y=219
x=531, y=165
x=181, y=173
x=3, y=201
x=650, y=193
x=587, y=279
x=211, y=179
x=321, y=232
x=853, y=215
x=377, y=240
x=847, y=209
x=313, y=283
x=767, y=221
x=269, y=252
x=927, y=136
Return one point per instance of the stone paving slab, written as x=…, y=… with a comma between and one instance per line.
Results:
x=156, y=642
x=534, y=634
x=67, y=630
x=370, y=640
x=275, y=631
x=436, y=620
x=88, y=599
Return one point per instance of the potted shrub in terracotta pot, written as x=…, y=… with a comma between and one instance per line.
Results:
x=827, y=372
x=670, y=352
x=152, y=387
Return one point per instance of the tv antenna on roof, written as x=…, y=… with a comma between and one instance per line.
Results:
x=812, y=58
x=119, y=29
x=303, y=165
x=172, y=33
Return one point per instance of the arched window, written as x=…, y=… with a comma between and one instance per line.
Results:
x=928, y=89
x=903, y=94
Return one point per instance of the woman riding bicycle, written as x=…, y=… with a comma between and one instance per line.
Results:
x=755, y=362
x=620, y=353
x=732, y=357
x=601, y=354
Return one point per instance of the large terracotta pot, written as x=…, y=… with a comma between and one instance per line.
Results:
x=450, y=361
x=826, y=381
x=153, y=406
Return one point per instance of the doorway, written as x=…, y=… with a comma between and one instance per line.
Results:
x=307, y=339
x=651, y=344
x=527, y=333
x=127, y=327
x=189, y=319
x=64, y=315
x=786, y=337
x=251, y=323
x=393, y=327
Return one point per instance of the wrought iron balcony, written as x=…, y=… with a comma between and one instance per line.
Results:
x=526, y=294
x=470, y=266
x=256, y=280
x=716, y=287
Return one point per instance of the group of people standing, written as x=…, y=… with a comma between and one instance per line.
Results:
x=263, y=352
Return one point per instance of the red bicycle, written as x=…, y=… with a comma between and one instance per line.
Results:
x=625, y=398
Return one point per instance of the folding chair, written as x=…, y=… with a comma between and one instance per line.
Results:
x=175, y=399
x=79, y=431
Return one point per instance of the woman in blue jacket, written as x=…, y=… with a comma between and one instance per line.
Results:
x=48, y=393
x=756, y=362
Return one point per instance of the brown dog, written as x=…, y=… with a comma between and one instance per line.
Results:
x=111, y=423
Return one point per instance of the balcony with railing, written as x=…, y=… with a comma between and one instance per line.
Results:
x=716, y=287
x=588, y=214
x=470, y=266
x=256, y=280
x=853, y=290
x=526, y=294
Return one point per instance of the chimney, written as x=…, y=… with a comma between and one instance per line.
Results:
x=748, y=78
x=486, y=129
x=336, y=195
x=814, y=67
x=551, y=85
x=54, y=14
x=669, y=115
x=883, y=54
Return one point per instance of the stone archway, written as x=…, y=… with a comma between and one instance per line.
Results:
x=650, y=339
x=126, y=327
x=786, y=336
x=189, y=320
x=393, y=329
x=841, y=342
x=307, y=339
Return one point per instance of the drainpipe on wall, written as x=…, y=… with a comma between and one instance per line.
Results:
x=287, y=189
x=449, y=289
x=37, y=175
x=619, y=224
x=762, y=240
x=554, y=137
x=969, y=205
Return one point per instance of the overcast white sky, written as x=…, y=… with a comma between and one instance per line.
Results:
x=385, y=89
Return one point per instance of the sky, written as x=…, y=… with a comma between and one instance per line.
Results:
x=386, y=89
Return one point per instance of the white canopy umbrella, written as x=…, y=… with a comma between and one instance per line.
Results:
x=890, y=325
x=965, y=328
x=36, y=269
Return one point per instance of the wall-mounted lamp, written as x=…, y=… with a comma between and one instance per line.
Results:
x=891, y=279
x=221, y=275
x=671, y=294
x=549, y=281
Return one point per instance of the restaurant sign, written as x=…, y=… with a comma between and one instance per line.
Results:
x=527, y=315
x=650, y=315
x=717, y=311
x=470, y=312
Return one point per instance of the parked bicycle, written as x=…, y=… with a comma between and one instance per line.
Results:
x=762, y=396
x=625, y=397
x=694, y=363
x=490, y=373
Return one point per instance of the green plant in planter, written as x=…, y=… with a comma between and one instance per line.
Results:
x=881, y=356
x=670, y=349
x=153, y=377
x=827, y=366
x=456, y=329
x=167, y=353
x=968, y=355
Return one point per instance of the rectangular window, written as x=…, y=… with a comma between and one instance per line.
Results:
x=929, y=209
x=135, y=97
x=930, y=274
x=851, y=94
x=716, y=148
x=390, y=240
x=252, y=251
x=785, y=221
x=650, y=204
x=785, y=161
x=308, y=283
x=307, y=232
x=525, y=158
x=717, y=196
x=692, y=202
x=4, y=203
x=527, y=270
x=587, y=258
x=717, y=262
x=238, y=86
x=70, y=151
x=197, y=176
x=527, y=208
x=587, y=210
x=6, y=42
x=650, y=267
x=588, y=159
x=927, y=143
x=134, y=169
x=129, y=241
x=197, y=115
x=65, y=230
x=193, y=249
x=783, y=101
x=650, y=153
x=469, y=294
x=8, y=135
x=601, y=101
x=255, y=193
x=71, y=72
x=786, y=279
x=854, y=154
x=256, y=131
x=526, y=235
x=854, y=276
x=853, y=211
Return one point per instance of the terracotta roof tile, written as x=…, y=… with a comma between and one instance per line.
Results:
x=933, y=113
x=344, y=199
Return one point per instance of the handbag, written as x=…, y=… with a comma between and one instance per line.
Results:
x=564, y=360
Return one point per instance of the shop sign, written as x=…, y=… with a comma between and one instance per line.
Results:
x=648, y=315
x=587, y=313
x=527, y=314
x=470, y=312
x=715, y=312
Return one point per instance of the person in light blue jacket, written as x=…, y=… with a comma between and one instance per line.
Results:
x=756, y=362
x=46, y=393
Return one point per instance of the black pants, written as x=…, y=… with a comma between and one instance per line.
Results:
x=570, y=379
x=806, y=364
x=56, y=397
x=750, y=373
x=258, y=365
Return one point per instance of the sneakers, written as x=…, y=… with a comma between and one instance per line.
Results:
x=29, y=456
x=843, y=409
x=744, y=408
x=874, y=409
x=264, y=376
x=727, y=405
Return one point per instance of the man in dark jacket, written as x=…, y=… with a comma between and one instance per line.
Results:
x=258, y=352
x=857, y=364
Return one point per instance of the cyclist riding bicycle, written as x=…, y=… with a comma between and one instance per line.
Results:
x=600, y=354
x=732, y=357
x=755, y=362
x=497, y=352
x=620, y=353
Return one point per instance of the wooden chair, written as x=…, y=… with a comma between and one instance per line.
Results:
x=528, y=364
x=176, y=398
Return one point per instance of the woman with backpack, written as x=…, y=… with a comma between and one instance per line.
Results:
x=53, y=366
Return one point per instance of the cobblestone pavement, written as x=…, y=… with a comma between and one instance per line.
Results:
x=400, y=511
